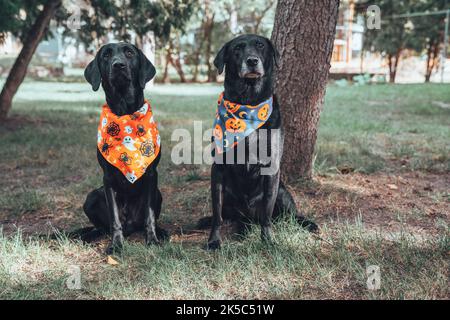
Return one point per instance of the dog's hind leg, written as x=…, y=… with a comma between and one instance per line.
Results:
x=285, y=204
x=96, y=210
x=204, y=223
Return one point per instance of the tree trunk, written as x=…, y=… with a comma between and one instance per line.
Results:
x=139, y=41
x=175, y=62
x=304, y=35
x=197, y=62
x=198, y=51
x=209, y=25
x=432, y=57
x=391, y=69
x=393, y=65
x=212, y=74
x=166, y=77
x=427, y=70
x=19, y=69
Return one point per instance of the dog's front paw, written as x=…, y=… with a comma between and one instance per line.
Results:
x=151, y=239
x=213, y=245
x=116, y=244
x=266, y=234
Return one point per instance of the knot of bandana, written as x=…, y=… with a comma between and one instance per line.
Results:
x=235, y=121
x=130, y=142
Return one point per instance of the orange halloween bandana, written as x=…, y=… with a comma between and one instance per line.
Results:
x=234, y=121
x=130, y=142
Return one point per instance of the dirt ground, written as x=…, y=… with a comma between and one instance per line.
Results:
x=415, y=202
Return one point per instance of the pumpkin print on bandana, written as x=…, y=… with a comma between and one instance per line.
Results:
x=131, y=142
x=234, y=122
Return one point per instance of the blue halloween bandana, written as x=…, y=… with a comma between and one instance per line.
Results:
x=234, y=122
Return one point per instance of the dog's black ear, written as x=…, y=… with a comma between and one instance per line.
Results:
x=92, y=74
x=222, y=58
x=147, y=70
x=275, y=53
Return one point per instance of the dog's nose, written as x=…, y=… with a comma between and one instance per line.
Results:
x=118, y=65
x=252, y=61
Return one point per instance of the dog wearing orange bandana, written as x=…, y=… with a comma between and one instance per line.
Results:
x=128, y=148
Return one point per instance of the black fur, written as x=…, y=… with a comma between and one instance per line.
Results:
x=239, y=191
x=119, y=207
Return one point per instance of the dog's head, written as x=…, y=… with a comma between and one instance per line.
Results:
x=119, y=66
x=249, y=62
x=248, y=57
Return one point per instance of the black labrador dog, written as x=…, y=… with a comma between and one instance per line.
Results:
x=120, y=207
x=239, y=191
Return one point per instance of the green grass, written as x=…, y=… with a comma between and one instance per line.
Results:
x=48, y=165
x=295, y=266
x=370, y=127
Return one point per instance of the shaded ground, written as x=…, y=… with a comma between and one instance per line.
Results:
x=380, y=193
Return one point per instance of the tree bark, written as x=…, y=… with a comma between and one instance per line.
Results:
x=209, y=25
x=139, y=41
x=432, y=57
x=393, y=65
x=175, y=62
x=19, y=69
x=197, y=60
x=391, y=69
x=166, y=77
x=304, y=35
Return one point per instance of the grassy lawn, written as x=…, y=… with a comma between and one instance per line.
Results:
x=380, y=195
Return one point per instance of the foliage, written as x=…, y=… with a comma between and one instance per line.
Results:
x=18, y=16
x=127, y=17
x=99, y=17
x=394, y=34
x=421, y=33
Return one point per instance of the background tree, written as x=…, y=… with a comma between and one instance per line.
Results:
x=394, y=36
x=29, y=21
x=428, y=33
x=304, y=35
x=215, y=22
x=31, y=29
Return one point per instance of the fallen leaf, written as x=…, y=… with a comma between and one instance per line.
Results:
x=111, y=261
x=345, y=169
x=392, y=186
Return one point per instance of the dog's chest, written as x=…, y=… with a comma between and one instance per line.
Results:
x=243, y=188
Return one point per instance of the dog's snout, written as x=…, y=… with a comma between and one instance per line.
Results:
x=252, y=61
x=118, y=65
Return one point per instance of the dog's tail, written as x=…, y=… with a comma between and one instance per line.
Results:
x=285, y=204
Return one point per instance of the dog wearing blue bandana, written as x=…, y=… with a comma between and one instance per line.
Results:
x=234, y=122
x=245, y=185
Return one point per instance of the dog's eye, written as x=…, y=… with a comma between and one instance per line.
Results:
x=238, y=48
x=106, y=55
x=260, y=45
x=129, y=53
